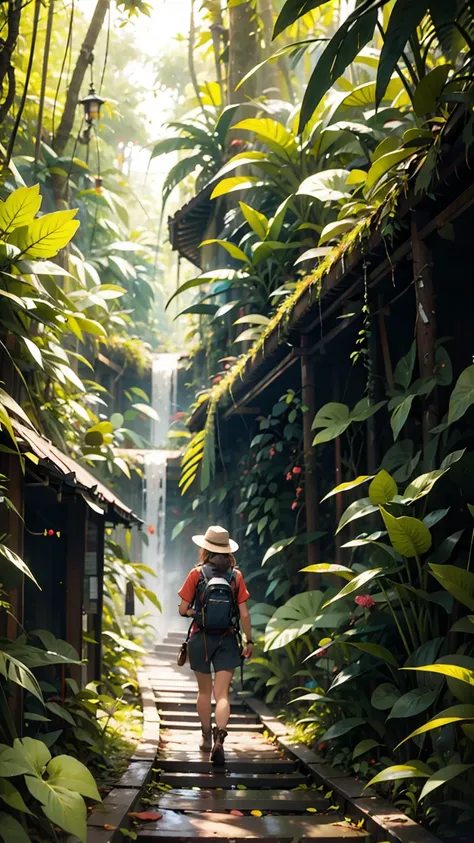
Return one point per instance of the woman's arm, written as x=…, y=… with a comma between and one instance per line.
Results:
x=184, y=609
x=247, y=628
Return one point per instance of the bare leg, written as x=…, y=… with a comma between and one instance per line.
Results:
x=222, y=681
x=204, y=704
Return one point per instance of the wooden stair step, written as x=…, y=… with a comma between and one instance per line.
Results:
x=225, y=827
x=229, y=780
x=183, y=703
x=243, y=800
x=194, y=764
x=191, y=717
x=179, y=725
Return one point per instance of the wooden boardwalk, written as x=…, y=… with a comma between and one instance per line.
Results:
x=257, y=775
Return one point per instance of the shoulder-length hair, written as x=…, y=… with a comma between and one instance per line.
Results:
x=224, y=561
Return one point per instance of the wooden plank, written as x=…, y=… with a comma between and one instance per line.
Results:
x=183, y=703
x=191, y=717
x=384, y=822
x=201, y=765
x=115, y=807
x=136, y=775
x=211, y=780
x=242, y=800
x=272, y=829
x=243, y=728
x=76, y=548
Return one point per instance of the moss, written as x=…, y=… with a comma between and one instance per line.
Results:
x=130, y=351
x=281, y=318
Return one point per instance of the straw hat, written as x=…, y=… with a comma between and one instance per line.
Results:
x=216, y=540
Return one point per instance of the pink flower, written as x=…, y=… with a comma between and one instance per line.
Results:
x=151, y=529
x=365, y=600
x=272, y=451
x=294, y=504
x=299, y=490
x=297, y=469
x=289, y=476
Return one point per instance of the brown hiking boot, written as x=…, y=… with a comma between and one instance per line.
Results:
x=217, y=754
x=205, y=744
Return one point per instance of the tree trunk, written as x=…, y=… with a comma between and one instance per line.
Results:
x=268, y=76
x=67, y=120
x=7, y=47
x=243, y=49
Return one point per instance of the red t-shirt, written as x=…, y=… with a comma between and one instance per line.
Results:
x=188, y=590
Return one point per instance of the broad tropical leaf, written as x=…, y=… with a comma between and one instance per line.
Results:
x=329, y=568
x=45, y=236
x=410, y=770
x=382, y=488
x=451, y=771
x=355, y=584
x=297, y=617
x=454, y=714
x=20, y=208
x=456, y=581
x=409, y=536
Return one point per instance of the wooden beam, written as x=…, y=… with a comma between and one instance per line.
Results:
x=308, y=397
x=76, y=548
x=425, y=324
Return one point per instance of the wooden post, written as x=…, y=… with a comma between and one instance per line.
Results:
x=308, y=396
x=425, y=324
x=76, y=548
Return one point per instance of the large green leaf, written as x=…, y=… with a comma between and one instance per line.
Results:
x=15, y=560
x=462, y=396
x=410, y=770
x=12, y=797
x=62, y=806
x=400, y=415
x=231, y=248
x=272, y=133
x=451, y=771
x=382, y=165
x=357, y=509
x=327, y=186
x=429, y=88
x=209, y=277
x=329, y=568
x=66, y=771
x=385, y=696
x=335, y=229
x=454, y=714
x=166, y=145
x=257, y=221
x=382, y=488
x=12, y=831
x=409, y=536
x=297, y=617
x=347, y=486
x=342, y=727
x=45, y=236
x=406, y=15
x=292, y=10
x=17, y=672
x=412, y=703
x=452, y=671
x=348, y=41
x=235, y=183
x=456, y=581
x=19, y=208
x=375, y=650
x=355, y=584
x=179, y=172
x=334, y=418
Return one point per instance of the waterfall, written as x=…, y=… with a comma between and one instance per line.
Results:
x=163, y=401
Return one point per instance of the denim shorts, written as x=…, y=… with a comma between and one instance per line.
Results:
x=219, y=651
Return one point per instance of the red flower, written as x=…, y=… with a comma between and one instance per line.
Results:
x=322, y=746
x=372, y=760
x=297, y=469
x=299, y=490
x=365, y=600
x=294, y=504
x=288, y=476
x=151, y=529
x=50, y=532
x=272, y=451
x=246, y=471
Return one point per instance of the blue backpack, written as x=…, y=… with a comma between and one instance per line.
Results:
x=216, y=603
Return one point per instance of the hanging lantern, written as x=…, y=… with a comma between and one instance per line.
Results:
x=92, y=104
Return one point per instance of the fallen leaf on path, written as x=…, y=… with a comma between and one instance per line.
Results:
x=146, y=816
x=312, y=810
x=256, y=813
x=236, y=813
x=110, y=827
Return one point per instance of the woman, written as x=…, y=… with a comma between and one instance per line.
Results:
x=219, y=596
